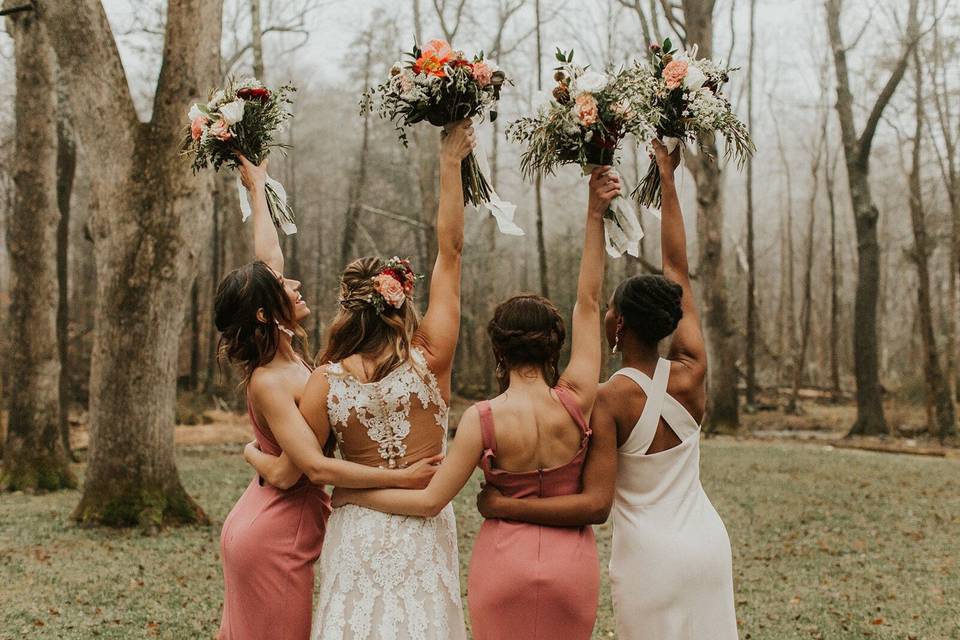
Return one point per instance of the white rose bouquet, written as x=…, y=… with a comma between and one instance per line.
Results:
x=687, y=106
x=584, y=122
x=242, y=117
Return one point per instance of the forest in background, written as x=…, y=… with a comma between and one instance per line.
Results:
x=827, y=270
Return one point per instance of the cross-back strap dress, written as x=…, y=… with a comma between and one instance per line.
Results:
x=671, y=573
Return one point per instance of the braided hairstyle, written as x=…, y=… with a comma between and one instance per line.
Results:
x=527, y=331
x=360, y=327
x=650, y=306
x=244, y=339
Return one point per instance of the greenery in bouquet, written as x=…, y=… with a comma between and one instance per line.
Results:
x=688, y=105
x=585, y=119
x=441, y=86
x=245, y=117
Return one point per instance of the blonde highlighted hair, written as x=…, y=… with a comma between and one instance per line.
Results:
x=360, y=328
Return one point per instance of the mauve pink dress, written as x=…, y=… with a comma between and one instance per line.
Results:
x=526, y=580
x=269, y=544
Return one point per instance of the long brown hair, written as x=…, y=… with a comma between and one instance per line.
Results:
x=527, y=331
x=244, y=339
x=360, y=328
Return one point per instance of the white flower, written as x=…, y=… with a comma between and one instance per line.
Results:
x=194, y=113
x=589, y=82
x=694, y=78
x=232, y=112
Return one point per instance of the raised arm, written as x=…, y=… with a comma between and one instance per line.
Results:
x=590, y=506
x=266, y=242
x=583, y=371
x=302, y=445
x=441, y=324
x=687, y=347
x=464, y=455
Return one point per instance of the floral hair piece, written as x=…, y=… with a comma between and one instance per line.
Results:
x=393, y=284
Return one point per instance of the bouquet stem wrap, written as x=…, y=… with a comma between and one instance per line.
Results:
x=621, y=224
x=474, y=168
x=280, y=211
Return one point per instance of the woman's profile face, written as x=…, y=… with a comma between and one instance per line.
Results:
x=291, y=288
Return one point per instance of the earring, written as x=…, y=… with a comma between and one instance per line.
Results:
x=282, y=328
x=616, y=345
x=500, y=371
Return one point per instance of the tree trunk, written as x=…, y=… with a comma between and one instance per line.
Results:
x=806, y=308
x=34, y=456
x=256, y=39
x=356, y=190
x=66, y=170
x=856, y=146
x=538, y=187
x=941, y=417
x=150, y=220
x=751, y=338
x=722, y=402
x=834, y=283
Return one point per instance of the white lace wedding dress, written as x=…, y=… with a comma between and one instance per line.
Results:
x=389, y=577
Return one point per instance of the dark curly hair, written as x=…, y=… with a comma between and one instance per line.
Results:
x=650, y=306
x=527, y=330
x=244, y=339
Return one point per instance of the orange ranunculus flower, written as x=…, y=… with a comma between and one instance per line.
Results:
x=434, y=56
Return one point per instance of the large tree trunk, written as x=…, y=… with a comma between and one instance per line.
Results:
x=941, y=418
x=538, y=186
x=856, y=147
x=150, y=220
x=34, y=456
x=722, y=402
x=834, y=282
x=357, y=187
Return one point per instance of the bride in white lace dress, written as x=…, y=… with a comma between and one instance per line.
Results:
x=383, y=392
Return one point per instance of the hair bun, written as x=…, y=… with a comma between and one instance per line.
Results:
x=651, y=306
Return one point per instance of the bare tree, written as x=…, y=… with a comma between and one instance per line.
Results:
x=696, y=27
x=149, y=223
x=941, y=418
x=751, y=338
x=66, y=171
x=857, y=147
x=34, y=456
x=538, y=186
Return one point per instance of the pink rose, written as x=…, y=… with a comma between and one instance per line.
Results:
x=220, y=130
x=196, y=127
x=585, y=108
x=390, y=289
x=674, y=73
x=482, y=73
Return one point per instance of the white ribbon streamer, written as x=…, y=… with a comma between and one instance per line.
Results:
x=501, y=210
x=287, y=227
x=621, y=224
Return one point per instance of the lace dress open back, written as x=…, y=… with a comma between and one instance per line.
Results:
x=383, y=576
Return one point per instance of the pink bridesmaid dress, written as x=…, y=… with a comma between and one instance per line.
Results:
x=526, y=580
x=269, y=544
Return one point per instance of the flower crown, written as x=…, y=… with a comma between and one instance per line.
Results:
x=393, y=284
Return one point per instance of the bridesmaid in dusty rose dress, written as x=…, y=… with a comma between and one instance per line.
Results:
x=526, y=580
x=272, y=537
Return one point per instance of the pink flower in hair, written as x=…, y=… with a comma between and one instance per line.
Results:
x=390, y=289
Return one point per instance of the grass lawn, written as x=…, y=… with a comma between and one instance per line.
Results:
x=827, y=543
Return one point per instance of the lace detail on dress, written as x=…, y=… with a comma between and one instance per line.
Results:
x=383, y=407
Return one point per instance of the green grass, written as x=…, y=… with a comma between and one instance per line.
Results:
x=827, y=544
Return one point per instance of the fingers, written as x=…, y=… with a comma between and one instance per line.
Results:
x=437, y=459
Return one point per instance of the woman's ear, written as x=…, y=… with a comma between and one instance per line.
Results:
x=619, y=324
x=261, y=316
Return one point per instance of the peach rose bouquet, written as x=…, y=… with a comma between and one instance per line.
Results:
x=687, y=105
x=245, y=117
x=439, y=85
x=583, y=122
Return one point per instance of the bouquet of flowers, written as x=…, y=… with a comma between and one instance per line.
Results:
x=583, y=123
x=441, y=86
x=242, y=117
x=687, y=105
